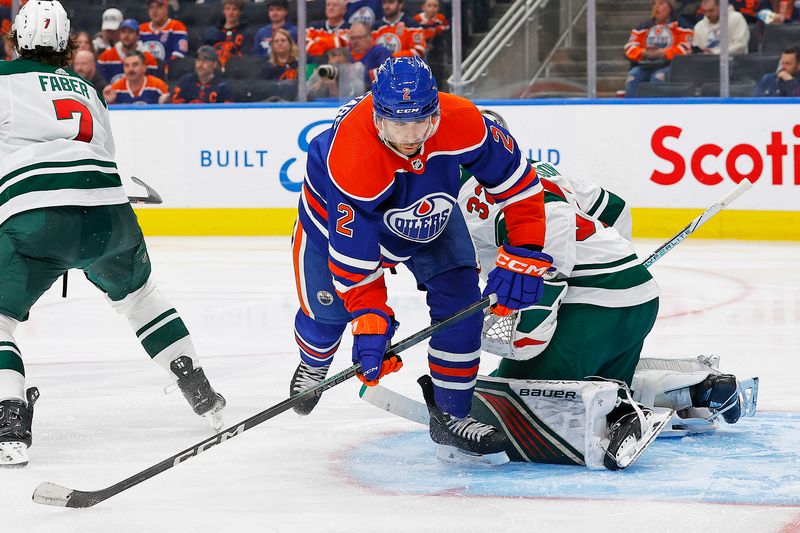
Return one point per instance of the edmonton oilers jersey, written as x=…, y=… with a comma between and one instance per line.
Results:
x=369, y=206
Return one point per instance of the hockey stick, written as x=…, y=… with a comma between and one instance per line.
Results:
x=53, y=494
x=152, y=196
x=721, y=204
x=415, y=411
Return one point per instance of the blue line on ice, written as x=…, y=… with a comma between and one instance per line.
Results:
x=756, y=461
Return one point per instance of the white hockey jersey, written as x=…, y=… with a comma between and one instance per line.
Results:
x=56, y=146
x=599, y=265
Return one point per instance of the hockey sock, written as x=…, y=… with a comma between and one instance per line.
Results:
x=158, y=326
x=12, y=371
x=317, y=341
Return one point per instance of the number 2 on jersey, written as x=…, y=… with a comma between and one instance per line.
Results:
x=344, y=220
x=66, y=108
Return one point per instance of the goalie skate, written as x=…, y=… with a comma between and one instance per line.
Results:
x=16, y=419
x=627, y=441
x=198, y=392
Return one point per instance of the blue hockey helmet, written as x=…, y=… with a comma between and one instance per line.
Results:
x=404, y=92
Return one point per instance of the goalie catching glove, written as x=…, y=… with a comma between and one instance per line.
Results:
x=517, y=279
x=372, y=332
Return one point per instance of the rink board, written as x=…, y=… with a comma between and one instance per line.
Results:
x=238, y=169
x=754, y=462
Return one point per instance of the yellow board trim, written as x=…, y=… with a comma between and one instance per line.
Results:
x=647, y=223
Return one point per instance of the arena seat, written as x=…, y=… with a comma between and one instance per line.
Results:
x=741, y=89
x=779, y=36
x=665, y=90
x=695, y=69
x=244, y=67
x=753, y=66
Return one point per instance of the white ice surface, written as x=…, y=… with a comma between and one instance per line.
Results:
x=103, y=416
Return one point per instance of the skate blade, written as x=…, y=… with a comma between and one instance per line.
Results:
x=13, y=455
x=454, y=456
x=660, y=423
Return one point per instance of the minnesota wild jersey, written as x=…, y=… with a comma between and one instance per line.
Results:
x=56, y=147
x=585, y=228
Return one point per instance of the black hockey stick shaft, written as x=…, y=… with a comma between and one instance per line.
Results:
x=52, y=494
x=721, y=204
x=152, y=196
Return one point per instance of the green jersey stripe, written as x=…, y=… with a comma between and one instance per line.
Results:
x=552, y=197
x=57, y=164
x=54, y=182
x=597, y=203
x=155, y=321
x=165, y=336
x=611, y=264
x=11, y=361
x=613, y=210
x=624, y=279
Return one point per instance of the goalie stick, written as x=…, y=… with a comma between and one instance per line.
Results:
x=410, y=409
x=152, y=196
x=53, y=494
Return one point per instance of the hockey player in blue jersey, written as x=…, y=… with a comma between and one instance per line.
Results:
x=381, y=189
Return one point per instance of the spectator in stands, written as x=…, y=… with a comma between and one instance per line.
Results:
x=779, y=11
x=110, y=62
x=84, y=41
x=324, y=83
x=707, y=31
x=767, y=11
x=85, y=65
x=136, y=86
x=323, y=35
x=278, y=18
x=231, y=37
x=5, y=17
x=203, y=86
x=365, y=51
x=109, y=30
x=654, y=43
x=785, y=82
x=282, y=63
x=432, y=22
x=398, y=32
x=366, y=11
x=164, y=37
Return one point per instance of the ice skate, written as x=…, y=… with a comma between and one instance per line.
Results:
x=626, y=440
x=16, y=419
x=720, y=394
x=304, y=377
x=463, y=440
x=198, y=392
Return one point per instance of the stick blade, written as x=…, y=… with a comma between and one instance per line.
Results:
x=52, y=494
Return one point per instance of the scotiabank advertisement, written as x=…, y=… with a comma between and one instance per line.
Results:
x=654, y=155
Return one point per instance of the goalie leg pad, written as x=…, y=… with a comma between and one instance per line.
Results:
x=557, y=422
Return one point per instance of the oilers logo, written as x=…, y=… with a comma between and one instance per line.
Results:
x=390, y=41
x=424, y=220
x=155, y=48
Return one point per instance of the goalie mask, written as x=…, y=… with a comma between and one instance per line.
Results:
x=42, y=23
x=524, y=334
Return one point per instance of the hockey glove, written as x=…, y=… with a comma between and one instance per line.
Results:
x=517, y=279
x=372, y=332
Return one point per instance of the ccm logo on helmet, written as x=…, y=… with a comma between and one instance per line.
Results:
x=521, y=267
x=407, y=111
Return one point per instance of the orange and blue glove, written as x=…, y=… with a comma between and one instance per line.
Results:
x=372, y=332
x=517, y=279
